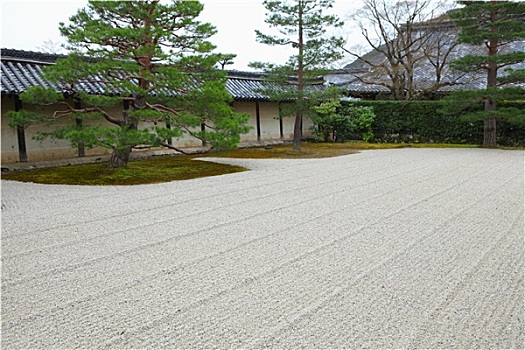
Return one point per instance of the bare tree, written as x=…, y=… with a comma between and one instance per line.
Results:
x=50, y=46
x=405, y=36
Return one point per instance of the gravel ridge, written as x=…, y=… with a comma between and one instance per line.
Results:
x=404, y=248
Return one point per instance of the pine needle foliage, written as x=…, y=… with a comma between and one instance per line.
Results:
x=301, y=25
x=494, y=25
x=153, y=64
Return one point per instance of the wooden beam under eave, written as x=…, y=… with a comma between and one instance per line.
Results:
x=20, y=133
x=80, y=145
x=258, y=120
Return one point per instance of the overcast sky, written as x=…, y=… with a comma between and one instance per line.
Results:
x=27, y=24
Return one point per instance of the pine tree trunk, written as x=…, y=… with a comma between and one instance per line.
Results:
x=489, y=132
x=119, y=158
x=298, y=125
x=489, y=127
x=120, y=155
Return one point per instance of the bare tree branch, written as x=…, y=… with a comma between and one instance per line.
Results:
x=167, y=145
x=405, y=37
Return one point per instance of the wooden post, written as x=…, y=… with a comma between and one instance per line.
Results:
x=281, y=131
x=203, y=129
x=80, y=145
x=168, y=126
x=20, y=133
x=258, y=120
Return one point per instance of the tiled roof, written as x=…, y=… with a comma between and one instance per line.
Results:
x=18, y=75
x=245, y=88
x=23, y=69
x=248, y=85
x=21, y=55
x=424, y=73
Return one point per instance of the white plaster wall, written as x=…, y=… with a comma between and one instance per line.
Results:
x=269, y=119
x=9, y=141
x=288, y=125
x=249, y=108
x=40, y=150
x=49, y=148
x=307, y=124
x=53, y=149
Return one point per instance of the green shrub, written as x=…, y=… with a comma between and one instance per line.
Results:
x=333, y=123
x=427, y=121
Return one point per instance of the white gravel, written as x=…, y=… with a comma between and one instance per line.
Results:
x=409, y=248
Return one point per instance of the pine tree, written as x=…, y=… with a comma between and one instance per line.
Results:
x=302, y=25
x=151, y=57
x=496, y=25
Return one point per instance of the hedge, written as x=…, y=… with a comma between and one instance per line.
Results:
x=424, y=121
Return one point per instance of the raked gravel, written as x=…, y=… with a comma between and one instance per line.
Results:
x=407, y=248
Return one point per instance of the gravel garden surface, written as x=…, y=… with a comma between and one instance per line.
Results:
x=404, y=248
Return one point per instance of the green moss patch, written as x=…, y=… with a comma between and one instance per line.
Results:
x=317, y=150
x=308, y=150
x=174, y=168
x=144, y=171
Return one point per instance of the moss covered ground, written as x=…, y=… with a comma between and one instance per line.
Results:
x=143, y=171
x=174, y=168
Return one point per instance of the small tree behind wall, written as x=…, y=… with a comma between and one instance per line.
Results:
x=495, y=25
x=151, y=59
